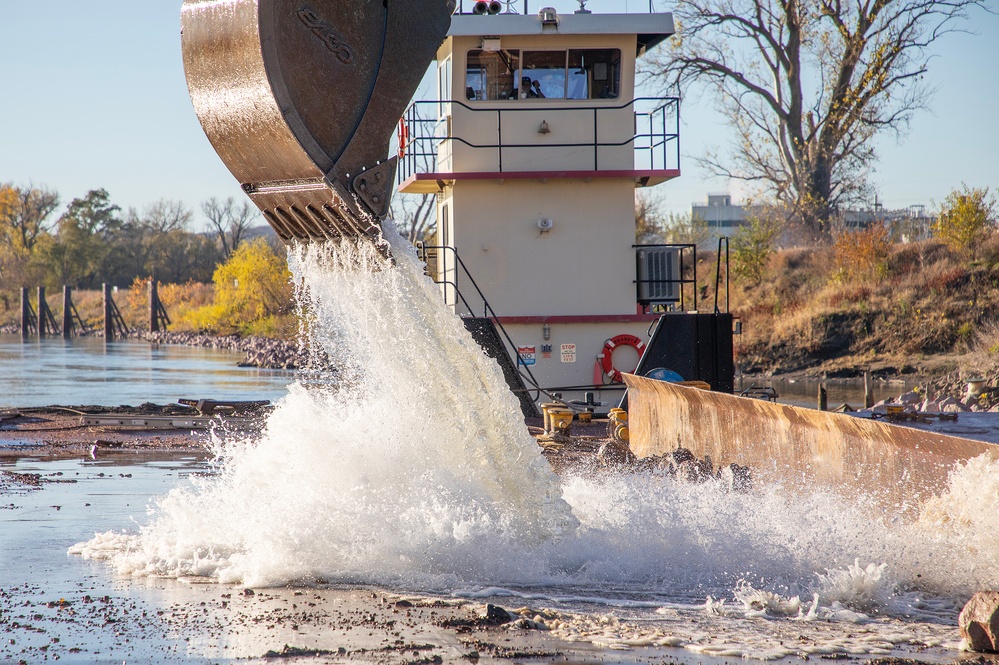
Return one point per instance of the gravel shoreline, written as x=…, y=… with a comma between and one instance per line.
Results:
x=261, y=352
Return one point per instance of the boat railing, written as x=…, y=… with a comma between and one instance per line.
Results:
x=527, y=6
x=445, y=274
x=655, y=140
x=660, y=281
x=722, y=244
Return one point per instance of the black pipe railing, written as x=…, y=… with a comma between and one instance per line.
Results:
x=656, y=138
x=487, y=311
x=524, y=6
x=722, y=241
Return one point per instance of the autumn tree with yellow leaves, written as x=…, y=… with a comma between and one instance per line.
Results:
x=253, y=294
x=808, y=85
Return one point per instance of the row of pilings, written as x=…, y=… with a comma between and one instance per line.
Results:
x=44, y=324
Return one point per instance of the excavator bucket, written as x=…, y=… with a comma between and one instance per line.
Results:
x=300, y=99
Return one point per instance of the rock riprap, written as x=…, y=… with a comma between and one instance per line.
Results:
x=979, y=622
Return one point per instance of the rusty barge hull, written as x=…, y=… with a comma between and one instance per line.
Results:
x=801, y=448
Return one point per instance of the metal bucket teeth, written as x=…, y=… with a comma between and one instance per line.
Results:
x=300, y=99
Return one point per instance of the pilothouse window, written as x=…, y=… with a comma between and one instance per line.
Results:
x=544, y=75
x=566, y=74
x=491, y=75
x=443, y=84
x=594, y=74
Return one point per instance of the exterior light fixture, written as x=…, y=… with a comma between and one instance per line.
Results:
x=548, y=16
x=546, y=332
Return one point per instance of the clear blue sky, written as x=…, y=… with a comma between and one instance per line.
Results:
x=93, y=95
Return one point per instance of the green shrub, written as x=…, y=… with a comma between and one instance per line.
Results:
x=752, y=248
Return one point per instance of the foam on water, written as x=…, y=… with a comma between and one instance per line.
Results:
x=412, y=468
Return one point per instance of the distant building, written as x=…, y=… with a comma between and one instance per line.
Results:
x=905, y=224
x=721, y=216
x=724, y=218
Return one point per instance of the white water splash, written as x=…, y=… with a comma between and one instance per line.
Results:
x=412, y=468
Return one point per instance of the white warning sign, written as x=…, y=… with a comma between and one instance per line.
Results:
x=568, y=353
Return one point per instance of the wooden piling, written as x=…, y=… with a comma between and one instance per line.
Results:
x=158, y=317
x=42, y=328
x=154, y=304
x=67, y=312
x=25, y=314
x=868, y=397
x=108, y=314
x=823, y=398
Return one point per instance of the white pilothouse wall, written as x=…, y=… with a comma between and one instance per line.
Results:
x=583, y=265
x=553, y=370
x=552, y=254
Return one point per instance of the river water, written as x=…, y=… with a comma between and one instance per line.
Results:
x=804, y=392
x=86, y=370
x=414, y=473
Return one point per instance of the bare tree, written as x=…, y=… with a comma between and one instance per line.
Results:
x=649, y=218
x=807, y=84
x=416, y=216
x=162, y=226
x=229, y=222
x=165, y=216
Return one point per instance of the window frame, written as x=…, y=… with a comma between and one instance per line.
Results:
x=615, y=75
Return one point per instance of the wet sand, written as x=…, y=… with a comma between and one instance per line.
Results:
x=83, y=613
x=56, y=432
x=146, y=621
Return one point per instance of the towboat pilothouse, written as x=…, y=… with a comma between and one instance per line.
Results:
x=534, y=150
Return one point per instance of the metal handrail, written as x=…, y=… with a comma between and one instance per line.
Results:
x=510, y=4
x=656, y=139
x=721, y=240
x=487, y=310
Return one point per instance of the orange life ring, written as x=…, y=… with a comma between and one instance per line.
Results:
x=403, y=137
x=607, y=356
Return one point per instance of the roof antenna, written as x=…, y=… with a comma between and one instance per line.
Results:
x=582, y=7
x=509, y=7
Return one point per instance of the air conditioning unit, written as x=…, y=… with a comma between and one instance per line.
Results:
x=658, y=275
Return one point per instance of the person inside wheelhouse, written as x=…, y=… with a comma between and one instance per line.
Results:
x=572, y=74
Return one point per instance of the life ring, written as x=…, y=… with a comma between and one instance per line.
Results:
x=606, y=357
x=403, y=137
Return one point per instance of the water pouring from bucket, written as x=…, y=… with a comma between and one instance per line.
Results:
x=300, y=102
